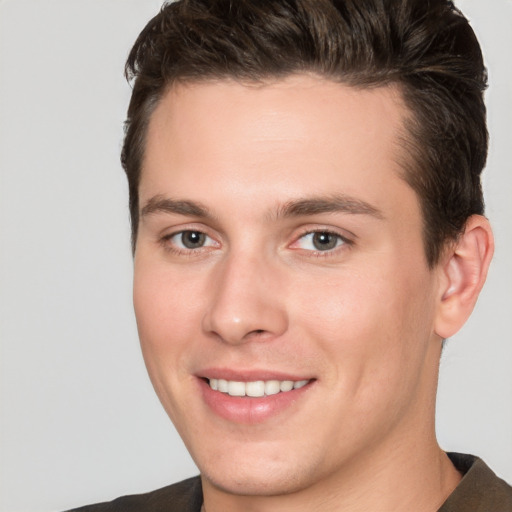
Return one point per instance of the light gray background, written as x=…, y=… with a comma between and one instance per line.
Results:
x=79, y=420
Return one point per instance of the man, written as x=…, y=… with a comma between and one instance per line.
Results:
x=307, y=230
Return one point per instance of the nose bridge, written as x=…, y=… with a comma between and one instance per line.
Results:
x=246, y=299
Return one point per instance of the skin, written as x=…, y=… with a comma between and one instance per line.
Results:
x=363, y=320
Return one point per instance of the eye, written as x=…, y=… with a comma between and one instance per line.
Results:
x=320, y=241
x=189, y=240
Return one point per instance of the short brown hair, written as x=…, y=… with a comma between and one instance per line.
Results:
x=425, y=47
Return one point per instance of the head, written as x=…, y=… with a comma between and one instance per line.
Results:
x=427, y=49
x=304, y=179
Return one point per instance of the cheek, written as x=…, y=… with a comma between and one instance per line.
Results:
x=163, y=306
x=373, y=326
x=165, y=320
x=346, y=310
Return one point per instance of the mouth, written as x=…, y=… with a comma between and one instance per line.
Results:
x=248, y=399
x=255, y=389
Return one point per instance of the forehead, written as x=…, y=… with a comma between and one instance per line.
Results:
x=303, y=132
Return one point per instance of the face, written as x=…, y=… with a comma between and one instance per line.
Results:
x=283, y=300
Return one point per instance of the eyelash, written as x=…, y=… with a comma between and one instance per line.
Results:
x=345, y=242
x=168, y=246
x=165, y=241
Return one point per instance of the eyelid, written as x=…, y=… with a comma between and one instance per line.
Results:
x=165, y=240
x=348, y=240
x=181, y=233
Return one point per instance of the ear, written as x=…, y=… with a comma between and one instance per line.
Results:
x=463, y=270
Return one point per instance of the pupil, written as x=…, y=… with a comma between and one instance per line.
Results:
x=324, y=241
x=192, y=239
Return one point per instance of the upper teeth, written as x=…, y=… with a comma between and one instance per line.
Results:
x=256, y=388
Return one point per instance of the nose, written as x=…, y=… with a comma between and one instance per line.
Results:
x=246, y=301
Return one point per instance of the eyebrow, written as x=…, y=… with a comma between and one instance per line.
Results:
x=331, y=204
x=296, y=208
x=161, y=204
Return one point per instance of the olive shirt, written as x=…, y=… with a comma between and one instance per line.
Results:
x=480, y=490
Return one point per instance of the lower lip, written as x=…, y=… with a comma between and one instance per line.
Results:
x=249, y=410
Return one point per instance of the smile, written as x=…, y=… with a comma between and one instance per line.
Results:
x=256, y=389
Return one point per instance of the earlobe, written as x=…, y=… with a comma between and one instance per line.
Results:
x=463, y=273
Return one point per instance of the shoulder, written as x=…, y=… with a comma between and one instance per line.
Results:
x=480, y=490
x=185, y=496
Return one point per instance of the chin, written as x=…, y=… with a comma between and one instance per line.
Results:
x=265, y=475
x=260, y=482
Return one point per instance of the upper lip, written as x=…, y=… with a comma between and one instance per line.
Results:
x=249, y=375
